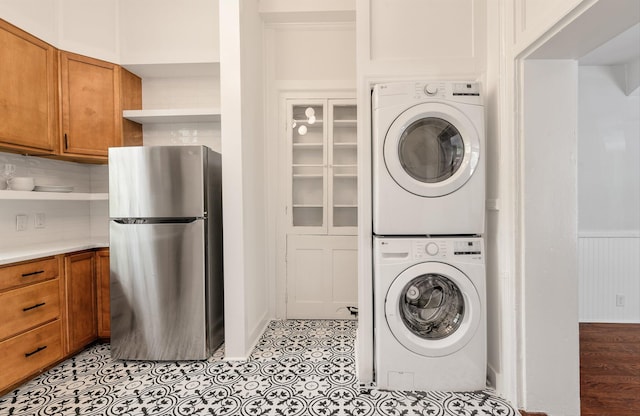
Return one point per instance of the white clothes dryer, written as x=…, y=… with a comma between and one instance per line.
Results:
x=428, y=158
x=430, y=319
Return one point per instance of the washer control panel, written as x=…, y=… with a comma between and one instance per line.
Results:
x=426, y=249
x=447, y=248
x=390, y=250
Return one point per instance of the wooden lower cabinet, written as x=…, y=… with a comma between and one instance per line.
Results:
x=80, y=291
x=29, y=353
x=53, y=308
x=104, y=310
x=32, y=336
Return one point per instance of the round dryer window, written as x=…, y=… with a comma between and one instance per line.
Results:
x=431, y=149
x=433, y=309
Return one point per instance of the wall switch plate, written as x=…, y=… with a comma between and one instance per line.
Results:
x=21, y=222
x=620, y=301
x=40, y=220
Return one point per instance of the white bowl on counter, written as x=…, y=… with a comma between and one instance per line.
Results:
x=22, y=183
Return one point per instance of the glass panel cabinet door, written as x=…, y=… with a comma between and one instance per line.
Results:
x=308, y=140
x=343, y=156
x=323, y=166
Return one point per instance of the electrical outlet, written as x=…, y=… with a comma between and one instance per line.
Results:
x=40, y=220
x=619, y=301
x=21, y=222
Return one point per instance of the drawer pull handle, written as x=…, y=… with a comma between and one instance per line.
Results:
x=37, y=350
x=37, y=305
x=32, y=273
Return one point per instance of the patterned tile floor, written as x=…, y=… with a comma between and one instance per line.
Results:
x=299, y=367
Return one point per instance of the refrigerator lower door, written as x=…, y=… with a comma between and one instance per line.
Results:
x=158, y=291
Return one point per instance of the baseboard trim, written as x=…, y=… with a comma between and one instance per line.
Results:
x=525, y=413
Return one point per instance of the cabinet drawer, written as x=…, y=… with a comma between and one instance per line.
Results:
x=25, y=273
x=29, y=353
x=29, y=306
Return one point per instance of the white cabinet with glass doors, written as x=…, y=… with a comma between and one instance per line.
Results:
x=323, y=156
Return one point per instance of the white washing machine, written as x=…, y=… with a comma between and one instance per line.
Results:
x=428, y=158
x=429, y=311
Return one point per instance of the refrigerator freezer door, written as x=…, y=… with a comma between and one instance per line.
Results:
x=156, y=182
x=158, y=291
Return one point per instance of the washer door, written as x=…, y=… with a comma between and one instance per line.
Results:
x=431, y=149
x=433, y=309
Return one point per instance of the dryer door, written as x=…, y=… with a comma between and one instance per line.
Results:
x=431, y=149
x=433, y=309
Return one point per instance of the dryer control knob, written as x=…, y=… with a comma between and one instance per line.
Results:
x=431, y=89
x=432, y=249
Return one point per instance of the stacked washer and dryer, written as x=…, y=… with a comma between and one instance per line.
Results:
x=428, y=251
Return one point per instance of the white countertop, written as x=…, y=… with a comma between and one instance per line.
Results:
x=48, y=249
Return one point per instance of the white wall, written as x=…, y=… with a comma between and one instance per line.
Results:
x=123, y=31
x=257, y=290
x=89, y=27
x=549, y=285
x=37, y=17
x=199, y=89
x=168, y=31
x=608, y=153
x=246, y=306
x=608, y=196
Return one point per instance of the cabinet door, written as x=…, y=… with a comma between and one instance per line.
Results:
x=321, y=276
x=103, y=301
x=90, y=105
x=307, y=139
x=342, y=175
x=28, y=85
x=81, y=300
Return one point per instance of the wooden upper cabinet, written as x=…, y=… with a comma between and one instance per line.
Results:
x=93, y=94
x=28, y=92
x=90, y=105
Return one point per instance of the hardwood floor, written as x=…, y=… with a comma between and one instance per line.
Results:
x=610, y=369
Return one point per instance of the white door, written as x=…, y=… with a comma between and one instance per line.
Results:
x=321, y=276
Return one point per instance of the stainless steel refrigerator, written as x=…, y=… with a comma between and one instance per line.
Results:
x=165, y=231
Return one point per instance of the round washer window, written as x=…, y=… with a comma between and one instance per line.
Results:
x=432, y=306
x=431, y=150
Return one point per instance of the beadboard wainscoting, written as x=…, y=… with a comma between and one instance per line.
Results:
x=609, y=273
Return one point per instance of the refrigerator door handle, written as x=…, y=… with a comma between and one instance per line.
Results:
x=127, y=221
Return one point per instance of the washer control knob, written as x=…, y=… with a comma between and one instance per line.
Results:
x=432, y=249
x=431, y=89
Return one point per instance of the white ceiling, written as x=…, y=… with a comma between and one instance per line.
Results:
x=594, y=28
x=620, y=49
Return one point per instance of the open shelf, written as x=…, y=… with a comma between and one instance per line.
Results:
x=181, y=115
x=53, y=196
